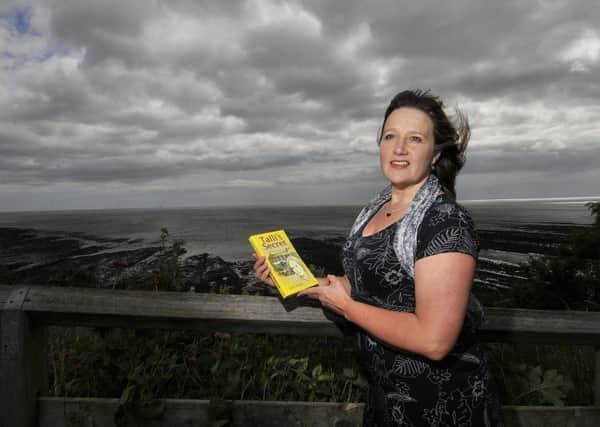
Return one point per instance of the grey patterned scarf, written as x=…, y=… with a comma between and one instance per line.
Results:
x=405, y=243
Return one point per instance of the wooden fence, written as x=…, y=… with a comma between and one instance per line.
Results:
x=27, y=310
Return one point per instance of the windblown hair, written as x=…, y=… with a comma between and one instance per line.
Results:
x=451, y=139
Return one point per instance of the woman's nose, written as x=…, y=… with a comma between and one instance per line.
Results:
x=400, y=146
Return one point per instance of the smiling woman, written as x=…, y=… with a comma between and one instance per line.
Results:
x=409, y=262
x=406, y=150
x=425, y=113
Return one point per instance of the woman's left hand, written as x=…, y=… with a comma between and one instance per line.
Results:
x=335, y=295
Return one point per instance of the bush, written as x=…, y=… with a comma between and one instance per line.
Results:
x=570, y=280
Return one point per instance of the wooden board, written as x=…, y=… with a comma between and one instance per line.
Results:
x=244, y=313
x=189, y=413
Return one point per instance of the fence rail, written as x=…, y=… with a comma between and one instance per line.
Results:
x=27, y=310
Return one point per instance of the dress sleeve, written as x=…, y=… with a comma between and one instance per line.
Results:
x=447, y=227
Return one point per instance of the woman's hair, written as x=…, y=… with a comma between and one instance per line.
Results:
x=449, y=138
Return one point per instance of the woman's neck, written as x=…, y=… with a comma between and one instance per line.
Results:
x=405, y=195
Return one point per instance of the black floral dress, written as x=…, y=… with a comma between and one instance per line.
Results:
x=406, y=389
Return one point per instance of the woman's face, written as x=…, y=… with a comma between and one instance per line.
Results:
x=406, y=148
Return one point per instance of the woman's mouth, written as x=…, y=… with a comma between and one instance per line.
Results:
x=399, y=164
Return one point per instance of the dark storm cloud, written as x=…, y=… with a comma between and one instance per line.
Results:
x=127, y=171
x=518, y=158
x=250, y=94
x=108, y=29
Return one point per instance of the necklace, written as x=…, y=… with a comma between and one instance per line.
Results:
x=390, y=212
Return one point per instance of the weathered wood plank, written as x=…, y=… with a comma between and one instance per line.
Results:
x=552, y=416
x=541, y=326
x=4, y=293
x=243, y=313
x=23, y=369
x=183, y=412
x=596, y=383
x=169, y=310
x=100, y=412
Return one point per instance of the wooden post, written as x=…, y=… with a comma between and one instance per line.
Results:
x=23, y=371
x=597, y=376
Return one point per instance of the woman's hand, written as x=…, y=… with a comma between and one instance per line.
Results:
x=333, y=292
x=261, y=270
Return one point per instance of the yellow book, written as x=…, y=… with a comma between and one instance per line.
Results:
x=288, y=271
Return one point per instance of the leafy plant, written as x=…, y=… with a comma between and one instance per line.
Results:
x=519, y=369
x=168, y=275
x=140, y=366
x=542, y=386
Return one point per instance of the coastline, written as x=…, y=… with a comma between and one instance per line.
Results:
x=58, y=258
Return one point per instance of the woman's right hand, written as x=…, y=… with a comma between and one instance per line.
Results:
x=261, y=270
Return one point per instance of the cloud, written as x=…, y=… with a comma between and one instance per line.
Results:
x=250, y=98
x=533, y=158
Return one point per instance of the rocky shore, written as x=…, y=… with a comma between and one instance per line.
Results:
x=75, y=259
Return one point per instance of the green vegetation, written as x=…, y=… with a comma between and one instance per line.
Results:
x=168, y=276
x=534, y=374
x=143, y=366
x=571, y=279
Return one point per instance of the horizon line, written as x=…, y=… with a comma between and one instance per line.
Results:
x=531, y=199
x=521, y=199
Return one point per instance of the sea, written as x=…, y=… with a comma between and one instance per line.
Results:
x=223, y=231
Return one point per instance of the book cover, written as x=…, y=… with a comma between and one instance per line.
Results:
x=288, y=271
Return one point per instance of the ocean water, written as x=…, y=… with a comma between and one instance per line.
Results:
x=224, y=231
x=508, y=213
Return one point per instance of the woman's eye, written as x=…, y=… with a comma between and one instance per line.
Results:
x=388, y=137
x=415, y=138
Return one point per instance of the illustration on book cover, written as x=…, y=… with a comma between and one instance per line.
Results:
x=287, y=264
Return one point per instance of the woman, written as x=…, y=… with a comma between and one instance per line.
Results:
x=409, y=263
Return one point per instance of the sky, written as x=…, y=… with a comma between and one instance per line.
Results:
x=136, y=104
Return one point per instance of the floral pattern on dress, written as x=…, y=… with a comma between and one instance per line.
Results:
x=407, y=389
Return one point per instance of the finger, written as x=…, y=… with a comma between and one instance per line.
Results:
x=265, y=278
x=260, y=268
x=310, y=292
x=264, y=274
x=259, y=261
x=323, y=281
x=333, y=279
